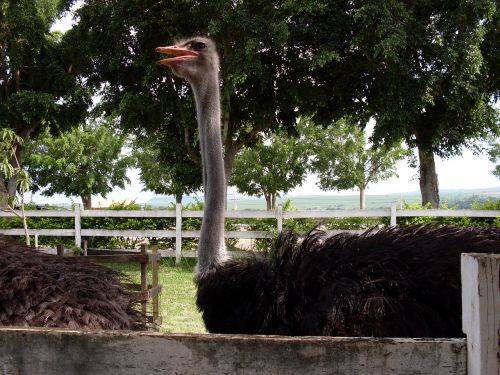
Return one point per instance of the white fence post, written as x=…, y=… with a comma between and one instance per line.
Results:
x=279, y=213
x=78, y=225
x=481, y=312
x=393, y=214
x=178, y=233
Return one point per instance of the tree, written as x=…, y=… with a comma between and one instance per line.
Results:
x=119, y=39
x=165, y=169
x=37, y=86
x=82, y=162
x=425, y=71
x=273, y=166
x=494, y=153
x=343, y=159
x=9, y=167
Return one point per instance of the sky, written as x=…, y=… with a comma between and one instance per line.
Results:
x=468, y=171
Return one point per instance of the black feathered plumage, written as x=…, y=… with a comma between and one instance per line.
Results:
x=49, y=291
x=399, y=282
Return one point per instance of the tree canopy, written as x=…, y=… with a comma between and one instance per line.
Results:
x=273, y=166
x=37, y=86
x=119, y=40
x=494, y=154
x=424, y=70
x=82, y=162
x=165, y=168
x=343, y=158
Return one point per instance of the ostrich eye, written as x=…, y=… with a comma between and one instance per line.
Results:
x=198, y=46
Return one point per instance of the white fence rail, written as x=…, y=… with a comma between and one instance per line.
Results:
x=179, y=214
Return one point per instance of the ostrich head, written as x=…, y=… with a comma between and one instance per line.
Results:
x=194, y=59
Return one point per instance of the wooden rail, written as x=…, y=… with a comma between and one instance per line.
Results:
x=179, y=214
x=146, y=294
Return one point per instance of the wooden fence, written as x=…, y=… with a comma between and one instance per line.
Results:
x=147, y=294
x=179, y=214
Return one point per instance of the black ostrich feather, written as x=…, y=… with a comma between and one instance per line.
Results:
x=399, y=282
x=49, y=291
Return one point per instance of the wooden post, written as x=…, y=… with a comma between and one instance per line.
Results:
x=36, y=240
x=481, y=312
x=178, y=233
x=154, y=267
x=85, y=247
x=280, y=218
x=393, y=215
x=144, y=280
x=60, y=250
x=78, y=225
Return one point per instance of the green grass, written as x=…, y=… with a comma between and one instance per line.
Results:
x=177, y=300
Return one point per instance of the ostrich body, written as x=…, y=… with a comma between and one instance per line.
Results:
x=396, y=282
x=48, y=291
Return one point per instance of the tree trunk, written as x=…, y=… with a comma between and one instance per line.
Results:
x=362, y=198
x=178, y=198
x=87, y=201
x=4, y=194
x=428, y=178
x=268, y=201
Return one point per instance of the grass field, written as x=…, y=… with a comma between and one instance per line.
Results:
x=177, y=306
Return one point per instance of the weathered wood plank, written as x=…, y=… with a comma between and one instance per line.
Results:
x=56, y=351
x=38, y=213
x=128, y=213
x=447, y=213
x=119, y=258
x=325, y=214
x=147, y=295
x=230, y=234
x=481, y=312
x=127, y=233
x=39, y=232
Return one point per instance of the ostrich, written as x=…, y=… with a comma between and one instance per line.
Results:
x=395, y=282
x=48, y=291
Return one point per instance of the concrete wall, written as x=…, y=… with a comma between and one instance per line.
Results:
x=57, y=351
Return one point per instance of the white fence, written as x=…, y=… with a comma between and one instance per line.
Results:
x=179, y=214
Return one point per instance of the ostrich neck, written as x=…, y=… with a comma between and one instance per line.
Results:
x=211, y=249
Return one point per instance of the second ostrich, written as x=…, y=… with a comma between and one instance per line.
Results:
x=396, y=282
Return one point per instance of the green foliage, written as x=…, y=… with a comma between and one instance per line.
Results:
x=38, y=88
x=426, y=72
x=116, y=223
x=490, y=204
x=9, y=163
x=343, y=159
x=84, y=161
x=494, y=154
x=171, y=174
x=273, y=166
x=116, y=41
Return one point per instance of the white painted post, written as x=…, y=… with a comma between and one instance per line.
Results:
x=481, y=312
x=393, y=215
x=178, y=233
x=279, y=213
x=85, y=248
x=78, y=225
x=36, y=240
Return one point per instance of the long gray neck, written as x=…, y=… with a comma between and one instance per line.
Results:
x=211, y=249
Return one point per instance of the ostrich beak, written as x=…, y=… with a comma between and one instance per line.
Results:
x=181, y=53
